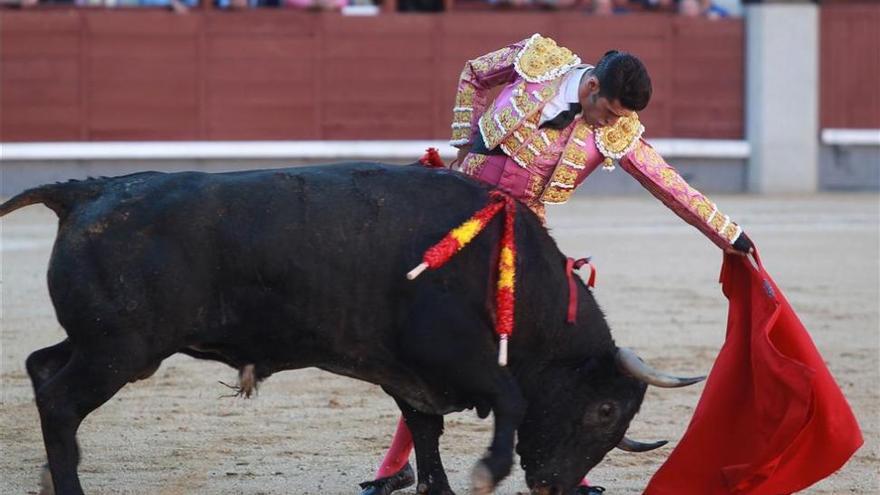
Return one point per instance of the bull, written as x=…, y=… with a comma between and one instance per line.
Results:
x=273, y=270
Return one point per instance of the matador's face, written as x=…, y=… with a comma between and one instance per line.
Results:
x=599, y=111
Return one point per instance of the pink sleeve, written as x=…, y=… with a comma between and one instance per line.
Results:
x=477, y=78
x=664, y=182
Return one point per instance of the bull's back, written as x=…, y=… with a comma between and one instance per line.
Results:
x=321, y=251
x=332, y=244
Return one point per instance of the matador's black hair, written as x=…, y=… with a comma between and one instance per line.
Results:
x=622, y=76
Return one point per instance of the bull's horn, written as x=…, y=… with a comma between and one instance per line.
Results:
x=628, y=361
x=636, y=446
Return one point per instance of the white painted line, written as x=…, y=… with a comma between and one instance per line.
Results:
x=197, y=150
x=306, y=150
x=851, y=137
x=702, y=148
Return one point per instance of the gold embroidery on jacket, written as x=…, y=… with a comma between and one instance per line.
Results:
x=672, y=179
x=565, y=175
x=506, y=119
x=731, y=232
x=541, y=59
x=555, y=195
x=699, y=204
x=535, y=187
x=523, y=156
x=719, y=222
x=465, y=96
x=473, y=164
x=619, y=139
x=527, y=103
x=574, y=159
x=492, y=134
x=552, y=135
x=461, y=117
x=461, y=133
x=525, y=148
x=495, y=125
x=494, y=60
x=703, y=207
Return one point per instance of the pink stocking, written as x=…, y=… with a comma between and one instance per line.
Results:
x=398, y=453
x=401, y=447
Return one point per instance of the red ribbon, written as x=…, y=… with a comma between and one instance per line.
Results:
x=431, y=159
x=506, y=299
x=572, y=264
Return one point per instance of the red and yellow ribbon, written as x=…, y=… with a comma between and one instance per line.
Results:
x=505, y=299
x=438, y=254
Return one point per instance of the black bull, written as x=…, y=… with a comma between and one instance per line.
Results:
x=273, y=270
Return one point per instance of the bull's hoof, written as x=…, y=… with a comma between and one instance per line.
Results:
x=424, y=489
x=46, y=485
x=384, y=486
x=481, y=480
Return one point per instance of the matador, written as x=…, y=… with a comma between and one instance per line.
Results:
x=553, y=123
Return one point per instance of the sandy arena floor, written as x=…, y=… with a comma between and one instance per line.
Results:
x=310, y=432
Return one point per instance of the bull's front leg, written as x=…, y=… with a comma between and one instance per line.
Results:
x=508, y=408
x=426, y=430
x=448, y=341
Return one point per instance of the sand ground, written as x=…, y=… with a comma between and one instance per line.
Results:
x=310, y=432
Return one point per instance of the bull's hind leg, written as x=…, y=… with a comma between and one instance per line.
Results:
x=45, y=363
x=41, y=366
x=65, y=399
x=426, y=430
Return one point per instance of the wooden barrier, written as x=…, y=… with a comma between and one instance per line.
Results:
x=850, y=65
x=270, y=74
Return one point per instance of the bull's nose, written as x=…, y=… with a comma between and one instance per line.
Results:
x=546, y=490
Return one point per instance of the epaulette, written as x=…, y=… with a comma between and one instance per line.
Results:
x=541, y=59
x=617, y=140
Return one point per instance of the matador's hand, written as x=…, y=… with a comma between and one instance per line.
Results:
x=459, y=159
x=742, y=246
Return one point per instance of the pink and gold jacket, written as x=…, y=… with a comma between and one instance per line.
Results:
x=544, y=166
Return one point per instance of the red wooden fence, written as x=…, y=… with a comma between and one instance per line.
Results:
x=850, y=65
x=79, y=75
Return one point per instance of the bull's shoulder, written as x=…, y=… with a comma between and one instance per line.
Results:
x=340, y=178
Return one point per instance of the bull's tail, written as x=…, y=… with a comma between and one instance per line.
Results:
x=60, y=197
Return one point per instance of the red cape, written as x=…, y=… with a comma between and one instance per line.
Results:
x=771, y=419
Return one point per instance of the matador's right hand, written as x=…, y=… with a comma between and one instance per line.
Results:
x=742, y=245
x=459, y=159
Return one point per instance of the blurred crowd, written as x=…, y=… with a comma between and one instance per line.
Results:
x=688, y=8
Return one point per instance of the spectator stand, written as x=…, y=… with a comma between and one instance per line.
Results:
x=288, y=79
x=688, y=8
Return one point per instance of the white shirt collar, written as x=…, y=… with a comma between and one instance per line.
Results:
x=572, y=83
x=568, y=93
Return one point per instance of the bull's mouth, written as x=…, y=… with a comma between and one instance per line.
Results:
x=546, y=490
x=550, y=481
x=540, y=485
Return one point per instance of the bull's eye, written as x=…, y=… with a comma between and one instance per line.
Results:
x=602, y=414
